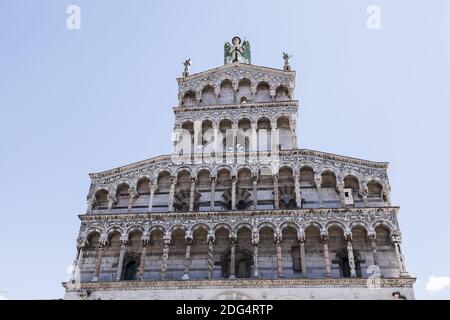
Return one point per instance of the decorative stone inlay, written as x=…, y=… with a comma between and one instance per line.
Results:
x=241, y=283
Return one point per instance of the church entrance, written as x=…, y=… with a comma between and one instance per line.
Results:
x=243, y=263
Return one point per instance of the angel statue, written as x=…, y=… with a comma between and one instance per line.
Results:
x=237, y=52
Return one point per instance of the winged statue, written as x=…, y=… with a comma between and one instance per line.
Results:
x=237, y=51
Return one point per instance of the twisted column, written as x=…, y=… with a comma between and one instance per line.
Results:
x=123, y=243
x=396, y=240
x=165, y=255
x=233, y=193
x=318, y=181
x=276, y=195
x=373, y=246
x=192, y=195
x=210, y=239
x=351, y=258
x=302, y=254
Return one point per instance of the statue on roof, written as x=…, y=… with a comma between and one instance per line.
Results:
x=237, y=51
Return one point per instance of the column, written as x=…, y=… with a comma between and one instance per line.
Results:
x=172, y=193
x=254, y=138
x=75, y=277
x=98, y=259
x=198, y=147
x=255, y=192
x=232, y=257
x=340, y=187
x=145, y=244
x=279, y=257
x=326, y=255
x=165, y=255
x=351, y=257
x=255, y=242
x=373, y=246
x=210, y=239
x=153, y=188
x=302, y=254
x=132, y=194
x=213, y=193
x=400, y=258
x=90, y=204
x=123, y=243
x=298, y=197
x=386, y=193
x=276, y=196
x=318, y=181
x=233, y=192
x=274, y=140
x=110, y=201
x=192, y=195
x=187, y=261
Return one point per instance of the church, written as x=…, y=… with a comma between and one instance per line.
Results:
x=238, y=210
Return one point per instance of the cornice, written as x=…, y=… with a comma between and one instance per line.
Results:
x=288, y=103
x=304, y=152
x=237, y=65
x=239, y=283
x=248, y=213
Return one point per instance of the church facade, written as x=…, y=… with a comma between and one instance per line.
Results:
x=238, y=211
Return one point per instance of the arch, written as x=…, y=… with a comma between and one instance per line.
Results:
x=226, y=95
x=101, y=199
x=222, y=226
x=351, y=182
x=133, y=229
x=189, y=99
x=157, y=227
x=243, y=225
x=336, y=224
x=199, y=226
x=112, y=231
x=362, y=224
x=244, y=90
x=282, y=93
x=291, y=224
x=90, y=232
x=208, y=95
x=386, y=224
x=307, y=176
x=328, y=179
x=374, y=189
x=269, y=225
x=262, y=92
x=178, y=227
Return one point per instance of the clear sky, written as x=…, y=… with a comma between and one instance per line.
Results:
x=80, y=101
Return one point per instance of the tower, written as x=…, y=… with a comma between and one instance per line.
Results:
x=237, y=210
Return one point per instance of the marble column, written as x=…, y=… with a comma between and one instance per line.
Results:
x=172, y=193
x=340, y=188
x=278, y=241
x=326, y=255
x=98, y=259
x=276, y=196
x=187, y=260
x=165, y=256
x=192, y=195
x=302, y=255
x=213, y=193
x=255, y=242
x=318, y=182
x=123, y=243
x=274, y=136
x=210, y=239
x=153, y=187
x=233, y=193
x=254, y=137
x=350, y=255
x=145, y=244
x=298, y=197
x=232, y=257
x=75, y=276
x=132, y=195
x=400, y=258
x=373, y=246
x=110, y=201
x=255, y=192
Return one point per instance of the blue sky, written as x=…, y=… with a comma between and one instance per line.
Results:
x=80, y=101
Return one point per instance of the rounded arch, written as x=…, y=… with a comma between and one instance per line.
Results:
x=336, y=224
x=222, y=226
x=386, y=224
x=176, y=227
x=312, y=224
x=243, y=225
x=226, y=94
x=263, y=92
x=189, y=98
x=92, y=231
x=133, y=229
x=269, y=225
x=282, y=93
x=157, y=227
x=291, y=224
x=208, y=95
x=114, y=230
x=361, y=224
x=199, y=226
